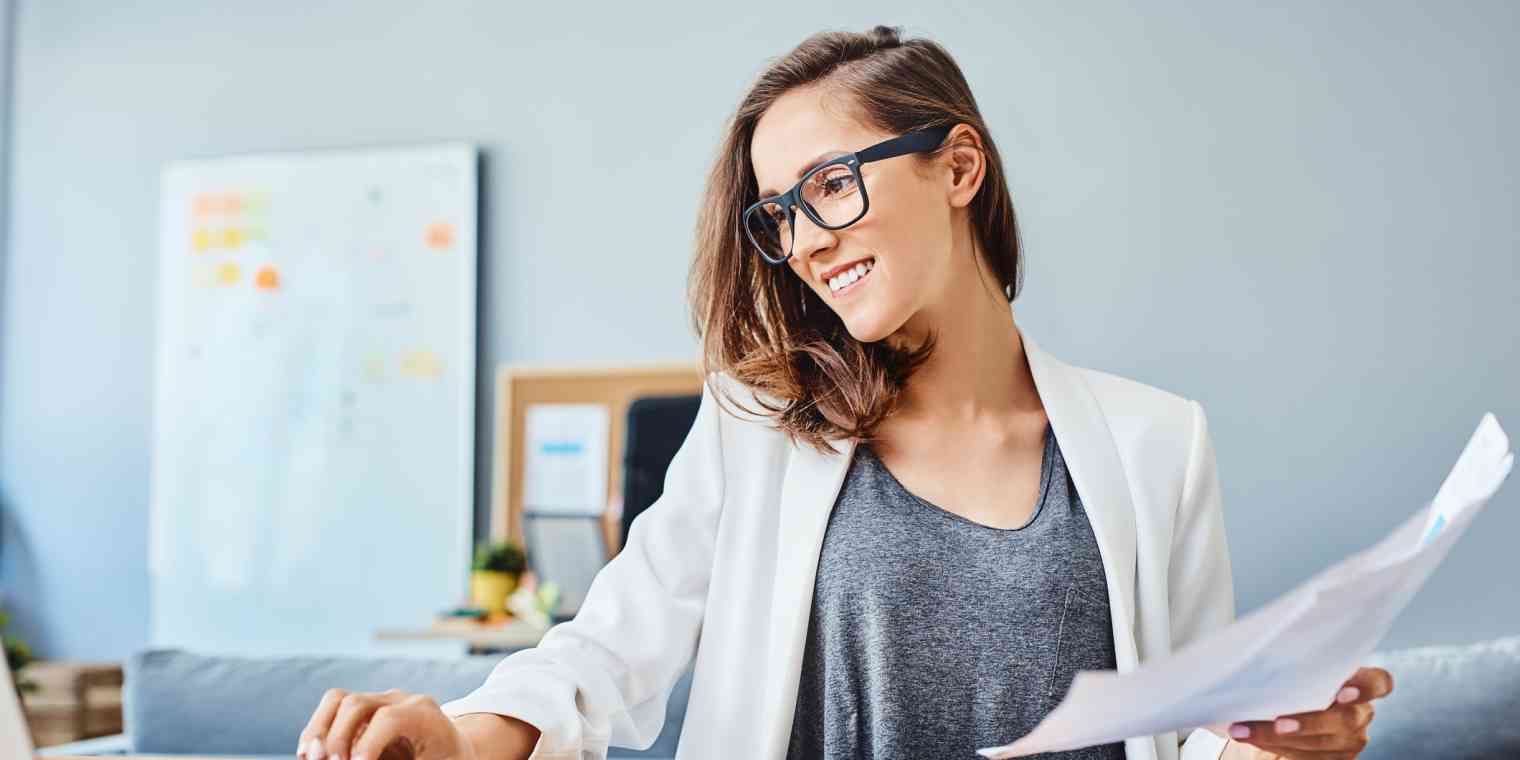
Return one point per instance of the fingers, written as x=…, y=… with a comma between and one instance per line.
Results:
x=339, y=720
x=353, y=713
x=1365, y=685
x=1344, y=721
x=1339, y=728
x=310, y=745
x=391, y=728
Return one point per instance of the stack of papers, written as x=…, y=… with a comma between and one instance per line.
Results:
x=1291, y=655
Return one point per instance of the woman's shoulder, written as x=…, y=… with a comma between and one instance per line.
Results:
x=1133, y=396
x=741, y=406
x=1143, y=415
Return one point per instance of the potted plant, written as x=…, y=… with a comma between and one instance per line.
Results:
x=494, y=574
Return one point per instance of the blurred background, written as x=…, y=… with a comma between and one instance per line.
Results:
x=1301, y=215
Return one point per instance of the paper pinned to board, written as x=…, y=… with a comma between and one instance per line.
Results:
x=1291, y=655
x=565, y=466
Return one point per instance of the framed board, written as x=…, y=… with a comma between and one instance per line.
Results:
x=519, y=387
x=313, y=458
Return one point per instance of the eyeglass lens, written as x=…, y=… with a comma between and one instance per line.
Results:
x=834, y=195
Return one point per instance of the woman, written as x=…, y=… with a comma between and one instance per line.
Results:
x=927, y=526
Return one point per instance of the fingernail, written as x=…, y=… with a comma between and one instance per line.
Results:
x=1286, y=725
x=335, y=756
x=1347, y=694
x=1240, y=732
x=360, y=757
x=314, y=751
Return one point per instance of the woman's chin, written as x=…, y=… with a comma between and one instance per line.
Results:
x=867, y=329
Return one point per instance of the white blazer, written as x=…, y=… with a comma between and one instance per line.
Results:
x=721, y=568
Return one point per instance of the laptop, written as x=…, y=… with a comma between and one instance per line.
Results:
x=15, y=737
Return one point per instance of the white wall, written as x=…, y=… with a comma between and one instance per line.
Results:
x=1302, y=216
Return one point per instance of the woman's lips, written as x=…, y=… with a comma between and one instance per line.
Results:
x=854, y=286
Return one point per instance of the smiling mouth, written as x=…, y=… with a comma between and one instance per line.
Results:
x=851, y=278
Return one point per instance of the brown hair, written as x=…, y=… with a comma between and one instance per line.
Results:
x=760, y=323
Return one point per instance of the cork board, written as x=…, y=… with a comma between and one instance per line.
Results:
x=518, y=386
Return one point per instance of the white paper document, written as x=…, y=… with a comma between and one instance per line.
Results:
x=1291, y=655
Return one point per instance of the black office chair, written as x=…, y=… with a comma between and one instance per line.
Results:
x=657, y=426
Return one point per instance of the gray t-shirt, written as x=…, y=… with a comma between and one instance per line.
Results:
x=932, y=635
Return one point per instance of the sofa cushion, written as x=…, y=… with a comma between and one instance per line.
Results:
x=1456, y=702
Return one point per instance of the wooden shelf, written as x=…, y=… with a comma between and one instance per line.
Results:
x=513, y=634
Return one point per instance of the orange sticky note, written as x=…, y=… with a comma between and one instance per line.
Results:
x=440, y=235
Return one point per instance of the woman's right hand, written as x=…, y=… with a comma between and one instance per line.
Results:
x=397, y=725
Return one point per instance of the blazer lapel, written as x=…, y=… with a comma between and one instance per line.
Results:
x=813, y=480
x=1087, y=447
x=812, y=483
x=1092, y=460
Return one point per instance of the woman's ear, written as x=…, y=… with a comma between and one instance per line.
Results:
x=967, y=164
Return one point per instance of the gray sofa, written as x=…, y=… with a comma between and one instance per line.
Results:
x=1458, y=702
x=177, y=702
x=1449, y=702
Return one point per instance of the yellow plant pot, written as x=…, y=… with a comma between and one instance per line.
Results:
x=489, y=589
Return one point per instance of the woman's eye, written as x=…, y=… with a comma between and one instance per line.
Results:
x=834, y=182
x=840, y=184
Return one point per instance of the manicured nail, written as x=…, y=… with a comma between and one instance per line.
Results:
x=1240, y=732
x=314, y=750
x=1286, y=725
x=1347, y=694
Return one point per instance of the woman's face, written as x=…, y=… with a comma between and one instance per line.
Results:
x=905, y=235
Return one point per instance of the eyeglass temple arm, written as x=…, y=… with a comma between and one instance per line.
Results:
x=913, y=142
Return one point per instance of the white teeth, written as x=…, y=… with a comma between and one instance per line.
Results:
x=851, y=275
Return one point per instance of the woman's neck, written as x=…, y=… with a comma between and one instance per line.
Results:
x=978, y=377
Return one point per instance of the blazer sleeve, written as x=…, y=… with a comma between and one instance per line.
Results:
x=605, y=676
x=1201, y=588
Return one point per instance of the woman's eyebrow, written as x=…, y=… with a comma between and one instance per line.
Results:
x=818, y=159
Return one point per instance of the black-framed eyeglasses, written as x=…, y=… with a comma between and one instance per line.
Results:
x=831, y=194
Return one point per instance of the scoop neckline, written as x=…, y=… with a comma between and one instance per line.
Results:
x=1047, y=465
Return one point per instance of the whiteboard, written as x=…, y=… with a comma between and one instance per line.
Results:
x=313, y=456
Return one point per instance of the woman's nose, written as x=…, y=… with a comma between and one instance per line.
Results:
x=808, y=237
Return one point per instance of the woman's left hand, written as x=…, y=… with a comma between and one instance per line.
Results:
x=1338, y=731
